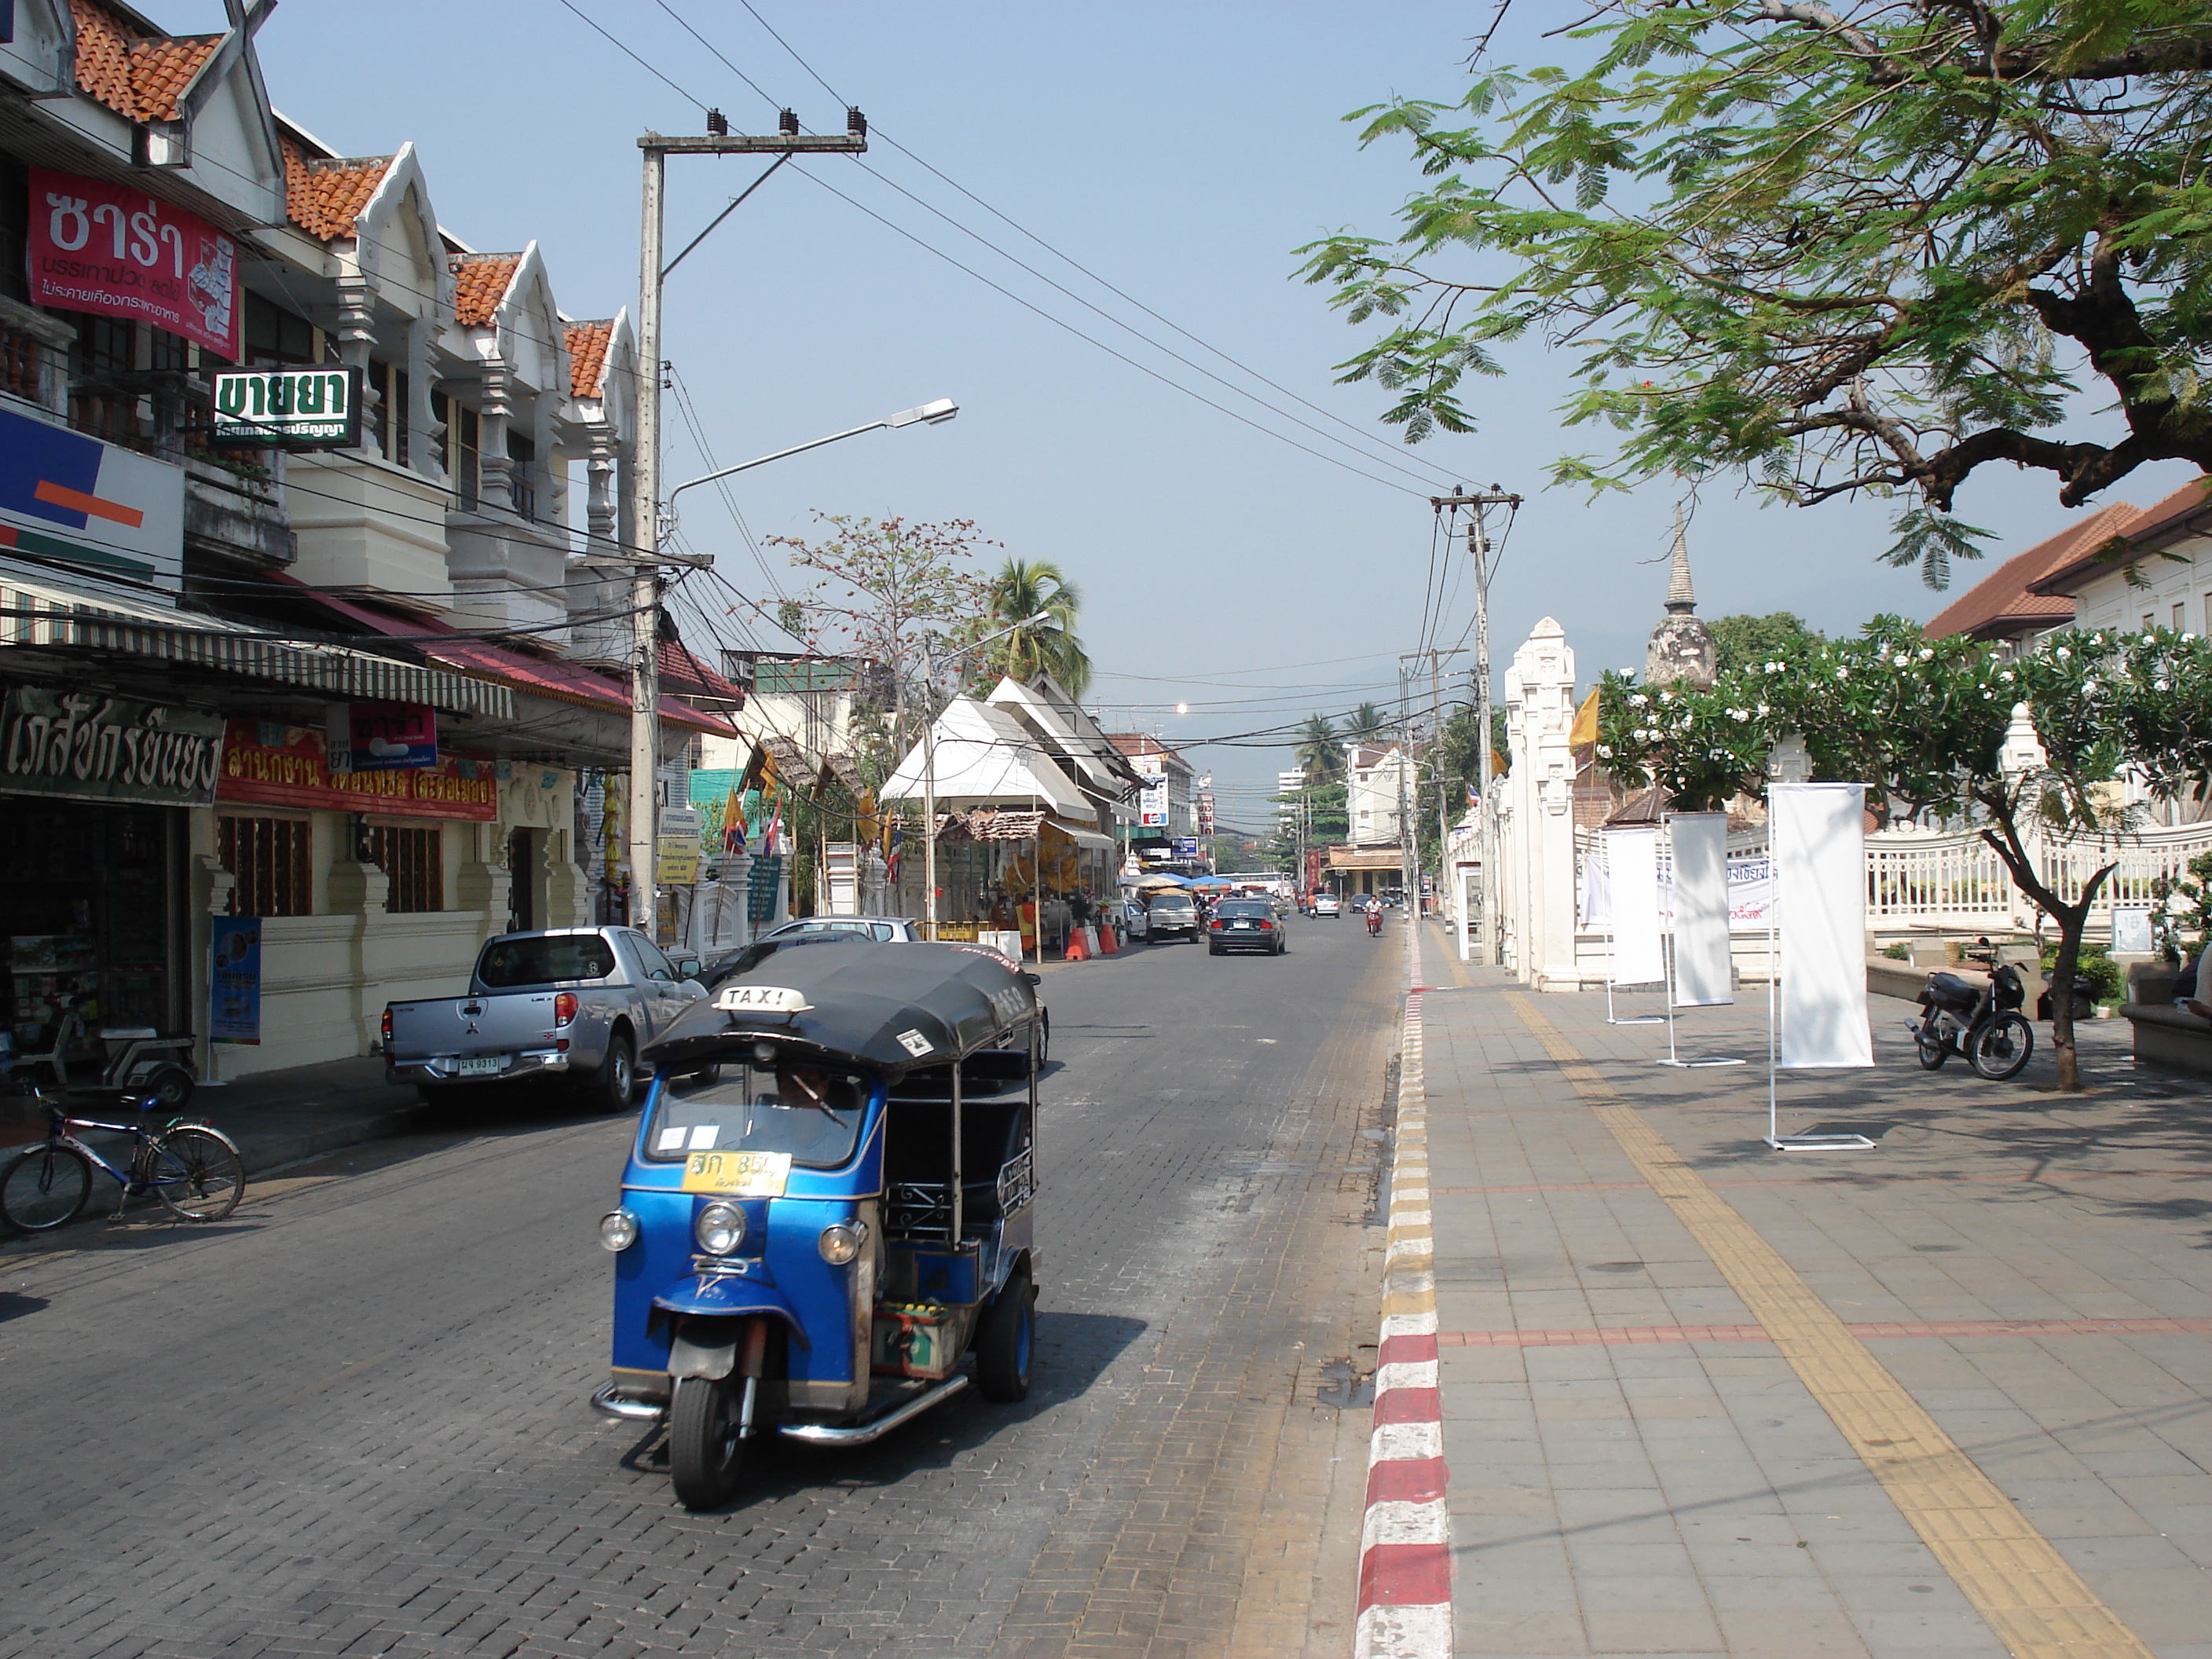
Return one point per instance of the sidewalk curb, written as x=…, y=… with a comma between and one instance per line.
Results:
x=1404, y=1542
x=266, y=1153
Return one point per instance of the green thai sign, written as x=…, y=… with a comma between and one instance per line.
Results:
x=83, y=746
x=288, y=408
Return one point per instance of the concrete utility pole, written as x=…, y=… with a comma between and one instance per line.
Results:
x=1434, y=659
x=1478, y=548
x=647, y=555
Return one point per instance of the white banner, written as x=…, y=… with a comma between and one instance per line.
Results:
x=1701, y=909
x=1631, y=860
x=1819, y=837
x=1750, y=892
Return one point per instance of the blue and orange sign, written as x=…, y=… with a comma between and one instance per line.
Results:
x=63, y=496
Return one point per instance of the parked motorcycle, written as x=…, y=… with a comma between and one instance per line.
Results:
x=1982, y=1022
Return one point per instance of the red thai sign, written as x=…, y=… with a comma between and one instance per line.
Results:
x=119, y=252
x=274, y=765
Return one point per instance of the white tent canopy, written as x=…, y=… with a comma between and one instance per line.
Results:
x=985, y=757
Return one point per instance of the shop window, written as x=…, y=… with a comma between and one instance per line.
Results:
x=391, y=385
x=274, y=335
x=522, y=474
x=414, y=861
x=269, y=857
x=101, y=364
x=464, y=448
x=14, y=229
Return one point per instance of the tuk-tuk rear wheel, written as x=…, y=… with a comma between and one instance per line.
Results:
x=705, y=1449
x=1003, y=1345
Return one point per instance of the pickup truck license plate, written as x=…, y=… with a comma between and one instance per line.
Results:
x=737, y=1174
x=488, y=1065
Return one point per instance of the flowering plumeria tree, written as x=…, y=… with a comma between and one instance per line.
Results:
x=1923, y=724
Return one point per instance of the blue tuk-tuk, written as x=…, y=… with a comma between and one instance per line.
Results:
x=830, y=1204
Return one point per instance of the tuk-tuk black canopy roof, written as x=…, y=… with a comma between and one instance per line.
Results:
x=865, y=999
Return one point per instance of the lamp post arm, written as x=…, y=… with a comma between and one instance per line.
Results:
x=747, y=466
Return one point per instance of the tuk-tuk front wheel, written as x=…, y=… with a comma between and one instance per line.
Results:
x=705, y=1447
x=1002, y=1347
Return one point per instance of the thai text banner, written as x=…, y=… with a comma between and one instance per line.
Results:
x=277, y=765
x=117, y=251
x=82, y=745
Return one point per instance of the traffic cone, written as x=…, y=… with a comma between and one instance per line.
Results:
x=1075, y=950
x=1107, y=944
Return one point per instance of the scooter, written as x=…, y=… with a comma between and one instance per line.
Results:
x=1984, y=1024
x=1374, y=923
x=140, y=1060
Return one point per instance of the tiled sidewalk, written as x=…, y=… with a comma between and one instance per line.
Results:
x=1640, y=1463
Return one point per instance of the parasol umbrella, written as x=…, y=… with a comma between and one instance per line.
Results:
x=1157, y=879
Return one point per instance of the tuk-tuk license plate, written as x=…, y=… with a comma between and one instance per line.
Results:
x=488, y=1065
x=737, y=1174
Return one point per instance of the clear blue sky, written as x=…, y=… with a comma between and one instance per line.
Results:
x=1179, y=151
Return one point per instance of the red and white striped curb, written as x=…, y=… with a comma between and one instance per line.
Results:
x=1404, y=1545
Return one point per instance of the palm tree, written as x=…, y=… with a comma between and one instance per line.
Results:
x=1364, y=724
x=1320, y=750
x=1029, y=587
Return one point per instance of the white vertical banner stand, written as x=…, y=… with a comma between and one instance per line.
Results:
x=1635, y=954
x=1816, y=1018
x=1697, y=925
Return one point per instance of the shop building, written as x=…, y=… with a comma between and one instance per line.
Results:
x=191, y=634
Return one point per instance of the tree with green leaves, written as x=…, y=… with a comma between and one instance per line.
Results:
x=1320, y=750
x=1924, y=722
x=1844, y=248
x=1024, y=588
x=1366, y=724
x=1742, y=639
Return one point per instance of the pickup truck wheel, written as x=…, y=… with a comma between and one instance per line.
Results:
x=611, y=1086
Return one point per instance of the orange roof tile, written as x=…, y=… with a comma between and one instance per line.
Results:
x=2184, y=504
x=2004, y=601
x=137, y=76
x=324, y=197
x=587, y=356
x=480, y=284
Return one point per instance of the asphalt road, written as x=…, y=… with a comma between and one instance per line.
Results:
x=352, y=1420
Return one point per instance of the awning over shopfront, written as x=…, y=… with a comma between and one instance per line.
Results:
x=985, y=758
x=1366, y=858
x=38, y=609
x=540, y=677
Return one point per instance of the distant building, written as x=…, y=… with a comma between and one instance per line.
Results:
x=1169, y=804
x=2164, y=548
x=2005, y=606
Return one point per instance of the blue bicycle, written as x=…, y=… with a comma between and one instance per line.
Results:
x=192, y=1167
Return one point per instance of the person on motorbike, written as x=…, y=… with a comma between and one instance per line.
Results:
x=1374, y=915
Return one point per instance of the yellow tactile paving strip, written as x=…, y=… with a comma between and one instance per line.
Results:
x=2036, y=1603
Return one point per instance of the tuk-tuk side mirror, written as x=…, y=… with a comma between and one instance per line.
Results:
x=686, y=967
x=1033, y=979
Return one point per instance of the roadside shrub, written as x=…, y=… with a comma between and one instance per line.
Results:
x=2095, y=972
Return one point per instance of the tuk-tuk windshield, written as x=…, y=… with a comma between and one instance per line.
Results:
x=813, y=1112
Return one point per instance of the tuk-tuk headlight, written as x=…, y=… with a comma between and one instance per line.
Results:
x=841, y=1243
x=618, y=1231
x=719, y=1227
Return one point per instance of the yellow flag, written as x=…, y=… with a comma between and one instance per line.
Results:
x=1585, y=727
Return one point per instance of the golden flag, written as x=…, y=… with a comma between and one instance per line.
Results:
x=1585, y=727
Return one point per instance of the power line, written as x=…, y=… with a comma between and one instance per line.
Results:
x=1022, y=230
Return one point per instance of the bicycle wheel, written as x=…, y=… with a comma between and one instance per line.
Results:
x=2002, y=1047
x=45, y=1188
x=196, y=1172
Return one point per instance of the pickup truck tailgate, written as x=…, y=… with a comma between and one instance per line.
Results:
x=479, y=1028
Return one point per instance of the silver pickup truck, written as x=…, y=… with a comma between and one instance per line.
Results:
x=569, y=1004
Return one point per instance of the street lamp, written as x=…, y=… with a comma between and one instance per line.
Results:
x=645, y=636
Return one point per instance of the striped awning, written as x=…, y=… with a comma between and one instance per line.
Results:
x=47, y=613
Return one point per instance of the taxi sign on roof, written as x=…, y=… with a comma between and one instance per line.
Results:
x=761, y=1000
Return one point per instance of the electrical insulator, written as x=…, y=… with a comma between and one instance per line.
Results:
x=787, y=124
x=717, y=124
x=856, y=124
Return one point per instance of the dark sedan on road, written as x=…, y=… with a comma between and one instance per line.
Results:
x=1245, y=925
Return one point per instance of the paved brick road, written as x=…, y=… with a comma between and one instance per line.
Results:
x=351, y=1420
